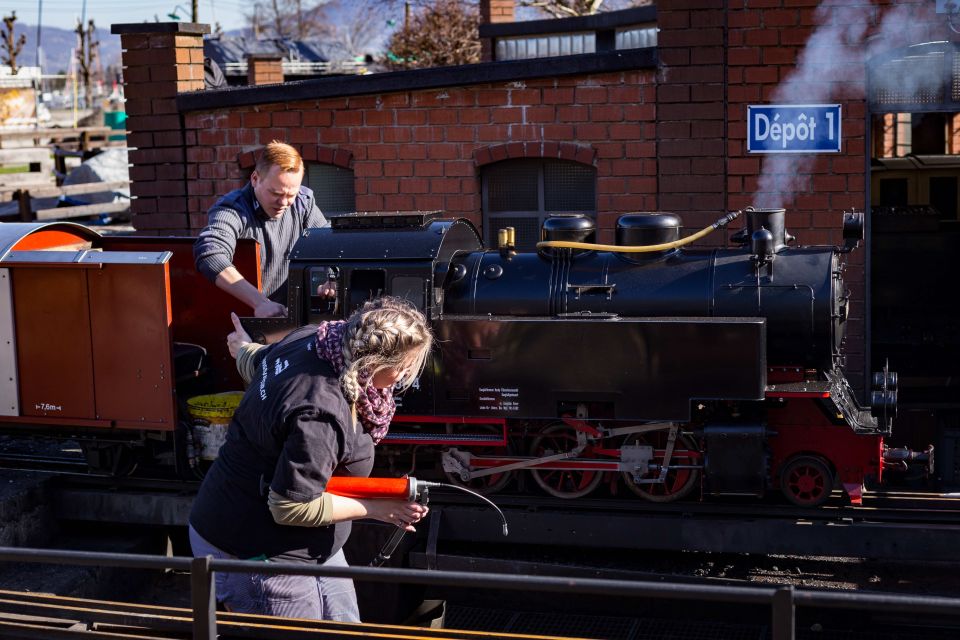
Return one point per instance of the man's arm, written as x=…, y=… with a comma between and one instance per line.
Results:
x=236, y=285
x=213, y=256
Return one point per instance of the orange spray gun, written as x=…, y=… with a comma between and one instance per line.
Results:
x=408, y=489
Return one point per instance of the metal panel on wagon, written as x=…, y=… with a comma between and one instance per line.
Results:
x=9, y=400
x=53, y=342
x=130, y=320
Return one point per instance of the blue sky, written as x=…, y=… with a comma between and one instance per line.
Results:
x=64, y=13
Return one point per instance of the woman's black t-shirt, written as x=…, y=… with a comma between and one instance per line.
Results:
x=291, y=433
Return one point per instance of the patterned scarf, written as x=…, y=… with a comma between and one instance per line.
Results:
x=375, y=407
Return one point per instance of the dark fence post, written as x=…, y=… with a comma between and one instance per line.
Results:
x=203, y=599
x=783, y=614
x=22, y=197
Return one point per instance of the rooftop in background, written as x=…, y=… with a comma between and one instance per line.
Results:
x=24, y=77
x=301, y=59
x=609, y=31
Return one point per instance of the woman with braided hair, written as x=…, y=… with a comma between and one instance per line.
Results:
x=318, y=402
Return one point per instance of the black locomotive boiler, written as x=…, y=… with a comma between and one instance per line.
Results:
x=668, y=368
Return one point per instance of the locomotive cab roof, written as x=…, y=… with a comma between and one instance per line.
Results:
x=378, y=236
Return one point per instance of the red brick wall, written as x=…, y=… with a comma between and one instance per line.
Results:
x=765, y=39
x=159, y=62
x=264, y=69
x=691, y=148
x=422, y=149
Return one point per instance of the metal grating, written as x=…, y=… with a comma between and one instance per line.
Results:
x=596, y=626
x=512, y=186
x=955, y=77
x=546, y=46
x=333, y=187
x=578, y=626
x=569, y=186
x=917, y=76
x=639, y=37
x=640, y=628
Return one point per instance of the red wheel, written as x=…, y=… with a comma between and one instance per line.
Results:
x=806, y=481
x=562, y=483
x=679, y=482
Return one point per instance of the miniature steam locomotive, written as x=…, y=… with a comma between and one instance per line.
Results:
x=644, y=364
x=670, y=368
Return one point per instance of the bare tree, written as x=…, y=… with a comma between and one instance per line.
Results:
x=572, y=8
x=11, y=45
x=286, y=19
x=357, y=25
x=443, y=33
x=87, y=57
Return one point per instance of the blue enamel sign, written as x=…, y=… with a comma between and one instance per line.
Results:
x=793, y=128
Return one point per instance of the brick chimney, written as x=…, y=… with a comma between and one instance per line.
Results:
x=160, y=60
x=264, y=68
x=491, y=12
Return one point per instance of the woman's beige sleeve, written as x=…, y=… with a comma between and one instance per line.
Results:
x=247, y=361
x=316, y=513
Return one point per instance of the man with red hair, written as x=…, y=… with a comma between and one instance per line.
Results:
x=274, y=209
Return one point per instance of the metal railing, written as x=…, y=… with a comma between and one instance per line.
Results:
x=783, y=600
x=302, y=68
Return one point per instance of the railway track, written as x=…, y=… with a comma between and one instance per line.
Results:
x=889, y=525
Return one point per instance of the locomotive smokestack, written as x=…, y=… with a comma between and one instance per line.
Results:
x=770, y=220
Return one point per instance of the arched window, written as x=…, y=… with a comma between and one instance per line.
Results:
x=332, y=187
x=521, y=193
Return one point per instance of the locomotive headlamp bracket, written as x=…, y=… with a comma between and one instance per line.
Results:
x=852, y=230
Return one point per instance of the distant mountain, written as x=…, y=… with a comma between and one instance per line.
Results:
x=57, y=45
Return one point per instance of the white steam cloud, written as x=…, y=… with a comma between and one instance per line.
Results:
x=832, y=66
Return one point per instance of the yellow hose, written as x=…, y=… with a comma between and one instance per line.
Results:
x=563, y=244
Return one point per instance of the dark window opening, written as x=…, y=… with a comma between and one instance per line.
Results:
x=410, y=288
x=323, y=307
x=365, y=284
x=333, y=188
x=522, y=193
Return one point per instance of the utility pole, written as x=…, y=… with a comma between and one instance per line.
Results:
x=39, y=22
x=193, y=10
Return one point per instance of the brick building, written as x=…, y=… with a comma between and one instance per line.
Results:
x=637, y=110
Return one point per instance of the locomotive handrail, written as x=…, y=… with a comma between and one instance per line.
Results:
x=783, y=600
x=646, y=248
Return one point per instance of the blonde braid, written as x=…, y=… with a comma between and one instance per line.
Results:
x=383, y=333
x=350, y=378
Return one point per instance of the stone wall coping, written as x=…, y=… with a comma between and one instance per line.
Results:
x=420, y=79
x=192, y=28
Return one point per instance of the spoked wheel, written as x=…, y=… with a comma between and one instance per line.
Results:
x=679, y=482
x=806, y=481
x=562, y=483
x=486, y=484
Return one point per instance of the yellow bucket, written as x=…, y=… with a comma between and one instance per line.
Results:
x=211, y=414
x=215, y=407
